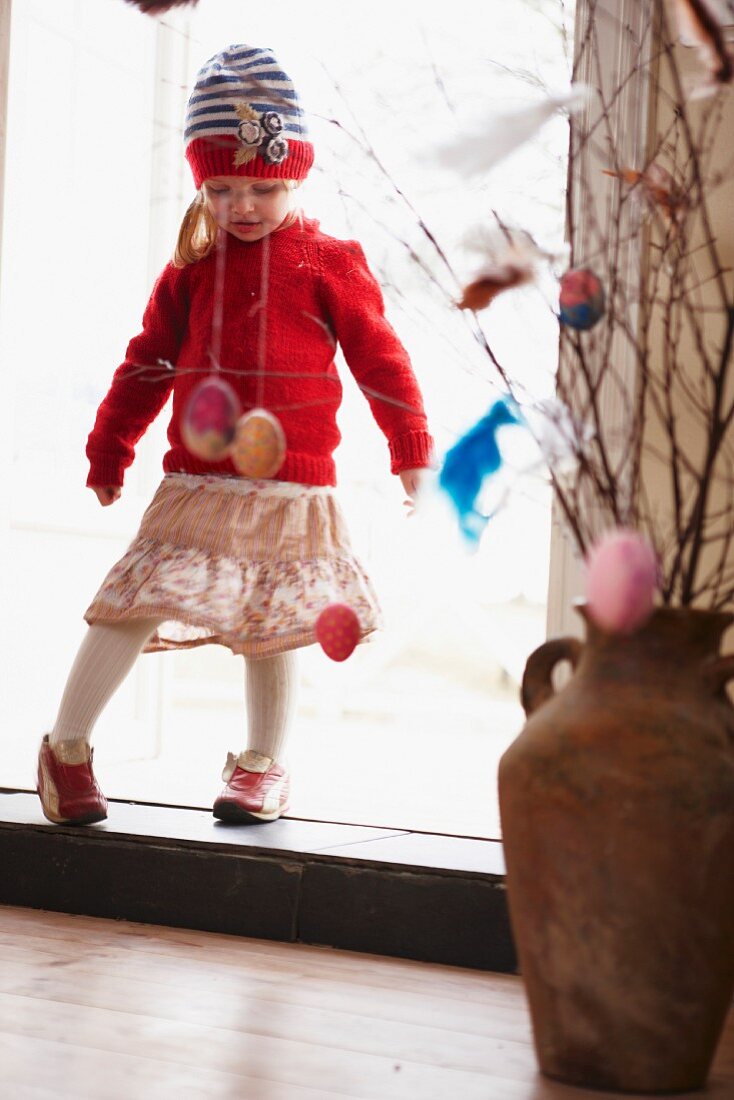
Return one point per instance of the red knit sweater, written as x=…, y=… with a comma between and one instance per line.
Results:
x=320, y=290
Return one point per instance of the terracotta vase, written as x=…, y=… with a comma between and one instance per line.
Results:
x=617, y=807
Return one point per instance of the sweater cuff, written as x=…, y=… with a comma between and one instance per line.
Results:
x=105, y=470
x=411, y=451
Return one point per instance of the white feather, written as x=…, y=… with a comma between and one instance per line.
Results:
x=559, y=434
x=499, y=135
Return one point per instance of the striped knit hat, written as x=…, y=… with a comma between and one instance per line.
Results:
x=244, y=119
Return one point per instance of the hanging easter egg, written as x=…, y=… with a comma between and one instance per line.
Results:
x=259, y=444
x=581, y=299
x=337, y=631
x=621, y=580
x=209, y=420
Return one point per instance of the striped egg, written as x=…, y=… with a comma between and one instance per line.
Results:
x=337, y=631
x=209, y=420
x=259, y=444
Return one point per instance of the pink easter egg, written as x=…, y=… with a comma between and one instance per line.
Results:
x=621, y=581
x=337, y=631
x=209, y=420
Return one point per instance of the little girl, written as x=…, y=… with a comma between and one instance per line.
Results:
x=259, y=296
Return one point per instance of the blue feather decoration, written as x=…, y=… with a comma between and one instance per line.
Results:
x=475, y=457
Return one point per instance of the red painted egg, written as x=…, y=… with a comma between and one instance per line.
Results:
x=209, y=420
x=581, y=299
x=337, y=631
x=259, y=444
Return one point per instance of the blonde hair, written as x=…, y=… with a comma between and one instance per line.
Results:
x=198, y=233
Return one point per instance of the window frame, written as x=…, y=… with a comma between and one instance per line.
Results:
x=631, y=117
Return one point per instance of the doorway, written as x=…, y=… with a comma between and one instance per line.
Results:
x=406, y=734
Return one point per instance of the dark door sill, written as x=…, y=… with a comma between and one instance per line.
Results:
x=390, y=892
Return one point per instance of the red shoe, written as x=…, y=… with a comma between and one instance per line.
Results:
x=66, y=785
x=257, y=788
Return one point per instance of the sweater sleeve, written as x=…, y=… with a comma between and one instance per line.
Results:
x=141, y=385
x=374, y=354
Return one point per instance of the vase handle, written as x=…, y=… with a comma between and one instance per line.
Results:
x=537, y=683
x=718, y=672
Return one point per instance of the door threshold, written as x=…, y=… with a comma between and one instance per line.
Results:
x=359, y=888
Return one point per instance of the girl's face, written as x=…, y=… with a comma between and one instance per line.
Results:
x=247, y=207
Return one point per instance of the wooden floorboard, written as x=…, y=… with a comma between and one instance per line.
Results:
x=96, y=1008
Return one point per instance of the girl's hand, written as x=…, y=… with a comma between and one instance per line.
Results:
x=106, y=494
x=412, y=480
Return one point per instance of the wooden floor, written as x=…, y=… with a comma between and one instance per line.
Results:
x=92, y=1009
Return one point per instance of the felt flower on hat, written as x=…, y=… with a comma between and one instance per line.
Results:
x=272, y=122
x=260, y=132
x=249, y=132
x=275, y=151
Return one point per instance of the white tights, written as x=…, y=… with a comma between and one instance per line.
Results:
x=109, y=651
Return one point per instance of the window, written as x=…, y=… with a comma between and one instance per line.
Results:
x=408, y=732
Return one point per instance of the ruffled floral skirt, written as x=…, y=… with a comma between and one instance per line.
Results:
x=246, y=564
